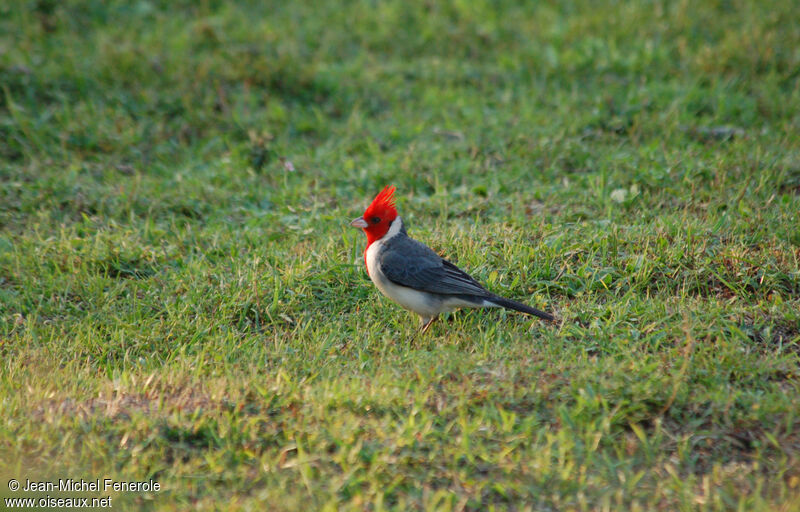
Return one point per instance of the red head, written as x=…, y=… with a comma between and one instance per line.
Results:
x=378, y=216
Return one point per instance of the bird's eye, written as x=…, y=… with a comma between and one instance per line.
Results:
x=375, y=220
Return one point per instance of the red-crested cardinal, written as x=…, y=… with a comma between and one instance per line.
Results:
x=411, y=274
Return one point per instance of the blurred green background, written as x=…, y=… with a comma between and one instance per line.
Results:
x=181, y=297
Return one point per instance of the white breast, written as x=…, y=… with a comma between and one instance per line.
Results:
x=422, y=303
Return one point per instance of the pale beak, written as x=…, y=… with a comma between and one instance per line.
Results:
x=359, y=223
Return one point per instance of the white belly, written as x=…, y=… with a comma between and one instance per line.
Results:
x=421, y=303
x=425, y=304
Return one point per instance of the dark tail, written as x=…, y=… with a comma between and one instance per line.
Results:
x=518, y=306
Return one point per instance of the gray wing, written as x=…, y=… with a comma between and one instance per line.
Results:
x=409, y=263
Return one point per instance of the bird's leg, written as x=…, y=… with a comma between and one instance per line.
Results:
x=426, y=323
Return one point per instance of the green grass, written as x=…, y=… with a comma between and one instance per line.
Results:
x=176, y=303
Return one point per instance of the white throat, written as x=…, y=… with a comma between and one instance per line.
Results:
x=375, y=248
x=394, y=228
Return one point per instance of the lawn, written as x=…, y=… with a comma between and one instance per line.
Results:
x=182, y=299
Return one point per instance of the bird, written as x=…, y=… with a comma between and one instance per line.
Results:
x=411, y=274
